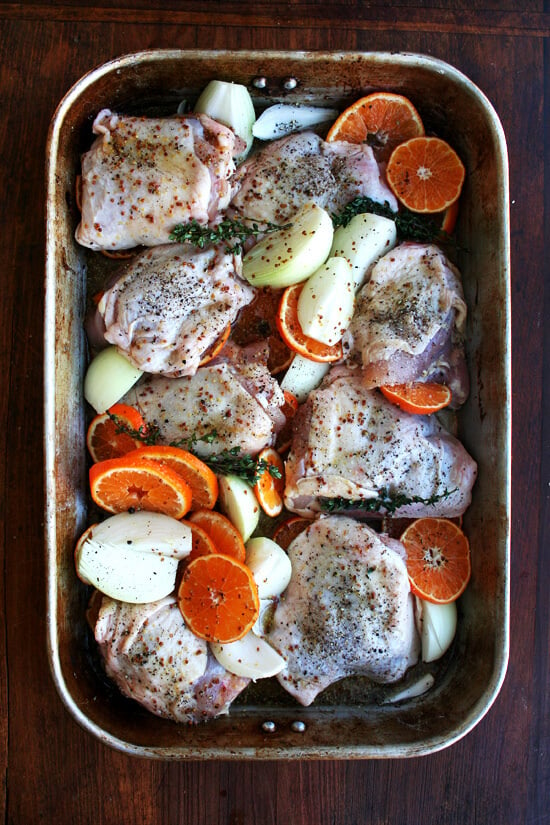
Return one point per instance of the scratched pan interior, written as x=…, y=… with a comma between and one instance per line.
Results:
x=350, y=719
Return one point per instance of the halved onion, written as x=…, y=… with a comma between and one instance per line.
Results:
x=133, y=557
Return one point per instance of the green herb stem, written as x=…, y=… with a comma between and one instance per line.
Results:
x=389, y=502
x=234, y=232
x=227, y=462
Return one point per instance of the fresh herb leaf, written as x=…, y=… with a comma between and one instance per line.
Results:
x=410, y=226
x=228, y=462
x=389, y=502
x=235, y=232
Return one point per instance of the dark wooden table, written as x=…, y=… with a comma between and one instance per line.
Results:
x=53, y=771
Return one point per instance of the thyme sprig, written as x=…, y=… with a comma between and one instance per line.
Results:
x=230, y=461
x=385, y=500
x=410, y=226
x=235, y=232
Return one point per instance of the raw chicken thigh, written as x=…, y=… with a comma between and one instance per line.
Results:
x=241, y=402
x=409, y=321
x=142, y=176
x=171, y=303
x=349, y=442
x=153, y=657
x=347, y=610
x=303, y=168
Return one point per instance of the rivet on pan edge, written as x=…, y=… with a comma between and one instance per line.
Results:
x=259, y=82
x=268, y=727
x=290, y=84
x=298, y=726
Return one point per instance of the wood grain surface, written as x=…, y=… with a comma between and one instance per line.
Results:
x=54, y=772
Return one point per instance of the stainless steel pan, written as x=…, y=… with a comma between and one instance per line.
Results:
x=351, y=720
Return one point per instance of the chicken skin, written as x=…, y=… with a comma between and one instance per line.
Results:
x=347, y=611
x=298, y=169
x=171, y=303
x=152, y=656
x=240, y=402
x=409, y=321
x=349, y=442
x=142, y=176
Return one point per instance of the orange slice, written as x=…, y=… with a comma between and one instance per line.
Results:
x=438, y=559
x=201, y=543
x=291, y=331
x=218, y=598
x=216, y=347
x=269, y=490
x=121, y=484
x=108, y=435
x=201, y=479
x=284, y=436
x=420, y=398
x=382, y=119
x=222, y=532
x=425, y=174
x=287, y=531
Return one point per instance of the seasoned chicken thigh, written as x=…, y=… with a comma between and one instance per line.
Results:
x=276, y=182
x=347, y=611
x=241, y=402
x=409, y=321
x=171, y=303
x=152, y=656
x=350, y=443
x=142, y=176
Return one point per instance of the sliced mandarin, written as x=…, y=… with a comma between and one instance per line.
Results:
x=438, y=559
x=382, y=120
x=218, y=598
x=202, y=480
x=223, y=533
x=109, y=434
x=425, y=174
x=118, y=485
x=417, y=397
x=269, y=489
x=291, y=331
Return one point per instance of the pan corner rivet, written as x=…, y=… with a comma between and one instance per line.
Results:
x=290, y=84
x=268, y=727
x=298, y=727
x=259, y=82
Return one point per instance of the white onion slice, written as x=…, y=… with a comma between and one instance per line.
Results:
x=285, y=118
x=290, y=256
x=437, y=628
x=250, y=656
x=109, y=377
x=326, y=302
x=270, y=566
x=239, y=503
x=303, y=376
x=363, y=241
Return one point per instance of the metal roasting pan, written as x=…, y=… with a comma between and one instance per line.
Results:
x=353, y=719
